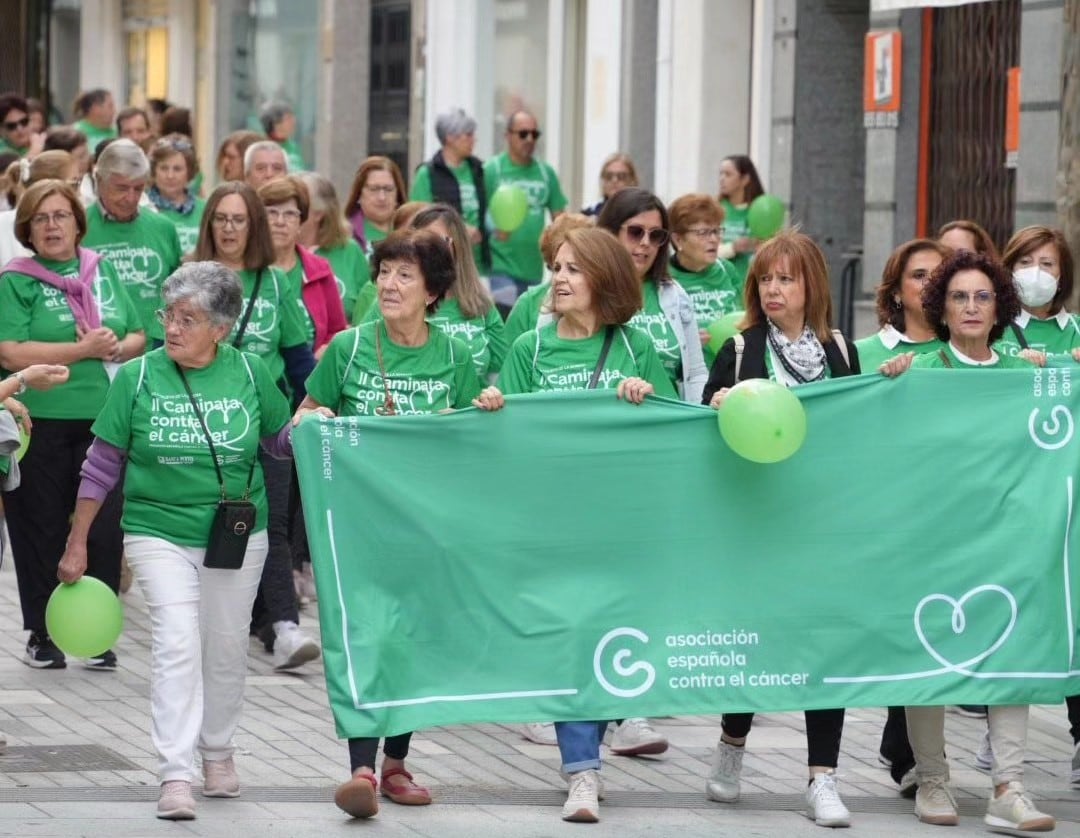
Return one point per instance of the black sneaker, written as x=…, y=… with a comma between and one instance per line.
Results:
x=105, y=662
x=41, y=652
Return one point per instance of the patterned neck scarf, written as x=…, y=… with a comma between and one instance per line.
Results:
x=185, y=207
x=803, y=358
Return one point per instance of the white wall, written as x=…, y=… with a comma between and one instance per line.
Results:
x=101, y=48
x=603, y=71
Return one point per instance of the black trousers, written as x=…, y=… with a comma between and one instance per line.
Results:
x=276, y=599
x=1072, y=703
x=362, y=750
x=895, y=745
x=823, y=731
x=39, y=516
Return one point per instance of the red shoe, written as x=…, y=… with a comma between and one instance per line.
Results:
x=356, y=797
x=406, y=793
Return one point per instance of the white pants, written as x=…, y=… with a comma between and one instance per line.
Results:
x=199, y=622
x=1008, y=740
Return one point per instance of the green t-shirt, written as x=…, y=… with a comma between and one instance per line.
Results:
x=351, y=271
x=30, y=310
x=934, y=361
x=373, y=235
x=277, y=319
x=1057, y=335
x=540, y=360
x=187, y=226
x=878, y=348
x=8, y=148
x=296, y=286
x=145, y=251
x=170, y=486
x=93, y=134
x=484, y=336
x=519, y=256
x=293, y=156
x=366, y=307
x=421, y=379
x=470, y=201
x=652, y=321
x=712, y=290
x=526, y=312
x=737, y=226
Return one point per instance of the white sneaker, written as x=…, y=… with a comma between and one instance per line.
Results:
x=723, y=782
x=635, y=737
x=935, y=804
x=1075, y=779
x=293, y=648
x=984, y=757
x=542, y=733
x=823, y=804
x=582, y=800
x=1014, y=810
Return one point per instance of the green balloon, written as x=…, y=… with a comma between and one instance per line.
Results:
x=509, y=206
x=85, y=618
x=724, y=328
x=24, y=442
x=762, y=421
x=765, y=217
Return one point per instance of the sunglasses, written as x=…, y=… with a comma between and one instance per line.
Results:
x=657, y=236
x=524, y=135
x=18, y=123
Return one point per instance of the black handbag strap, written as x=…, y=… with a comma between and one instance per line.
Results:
x=609, y=335
x=1018, y=333
x=210, y=442
x=247, y=315
x=944, y=358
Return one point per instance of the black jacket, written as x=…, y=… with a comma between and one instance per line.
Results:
x=444, y=188
x=722, y=373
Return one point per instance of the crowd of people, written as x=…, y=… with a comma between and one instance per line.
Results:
x=163, y=345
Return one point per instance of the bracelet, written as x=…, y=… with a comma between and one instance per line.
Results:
x=22, y=383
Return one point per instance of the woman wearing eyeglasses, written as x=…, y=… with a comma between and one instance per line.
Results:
x=173, y=165
x=49, y=165
x=65, y=305
x=639, y=220
x=235, y=232
x=971, y=299
x=712, y=283
x=786, y=338
x=616, y=173
x=378, y=189
x=395, y=365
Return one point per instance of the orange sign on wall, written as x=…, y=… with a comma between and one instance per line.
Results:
x=881, y=83
x=1012, y=119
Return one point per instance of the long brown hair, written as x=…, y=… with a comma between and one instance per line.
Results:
x=804, y=259
x=259, y=252
x=373, y=164
x=609, y=272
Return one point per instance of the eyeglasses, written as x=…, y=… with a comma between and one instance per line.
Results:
x=237, y=222
x=17, y=123
x=59, y=217
x=982, y=299
x=286, y=215
x=621, y=177
x=524, y=135
x=184, y=322
x=657, y=236
x=380, y=190
x=706, y=232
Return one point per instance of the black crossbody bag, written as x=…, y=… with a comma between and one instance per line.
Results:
x=250, y=307
x=234, y=520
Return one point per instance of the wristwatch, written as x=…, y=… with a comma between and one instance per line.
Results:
x=22, y=384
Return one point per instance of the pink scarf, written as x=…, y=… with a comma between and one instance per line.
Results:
x=78, y=291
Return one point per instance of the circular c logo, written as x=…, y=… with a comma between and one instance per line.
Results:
x=620, y=668
x=1057, y=431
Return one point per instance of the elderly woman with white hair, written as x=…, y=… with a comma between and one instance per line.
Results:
x=183, y=426
x=455, y=177
x=143, y=246
x=279, y=122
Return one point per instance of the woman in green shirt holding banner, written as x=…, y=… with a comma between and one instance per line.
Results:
x=395, y=365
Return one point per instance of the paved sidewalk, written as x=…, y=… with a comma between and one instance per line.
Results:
x=79, y=762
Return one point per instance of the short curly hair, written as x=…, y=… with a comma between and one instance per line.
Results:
x=1006, y=301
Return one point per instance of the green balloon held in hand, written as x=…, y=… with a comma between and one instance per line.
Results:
x=765, y=216
x=84, y=618
x=509, y=206
x=24, y=442
x=724, y=328
x=762, y=421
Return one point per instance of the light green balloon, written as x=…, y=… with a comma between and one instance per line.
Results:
x=24, y=442
x=762, y=421
x=509, y=206
x=723, y=328
x=85, y=618
x=765, y=216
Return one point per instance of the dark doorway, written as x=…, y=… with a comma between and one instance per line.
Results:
x=391, y=72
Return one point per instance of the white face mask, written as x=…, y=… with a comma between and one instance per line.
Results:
x=1035, y=286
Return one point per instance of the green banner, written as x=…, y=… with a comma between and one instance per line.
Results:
x=577, y=557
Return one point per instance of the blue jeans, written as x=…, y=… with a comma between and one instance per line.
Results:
x=579, y=744
x=505, y=289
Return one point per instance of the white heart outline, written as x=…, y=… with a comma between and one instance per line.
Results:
x=959, y=624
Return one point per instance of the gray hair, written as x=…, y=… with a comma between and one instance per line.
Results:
x=122, y=157
x=272, y=113
x=210, y=286
x=263, y=145
x=453, y=123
